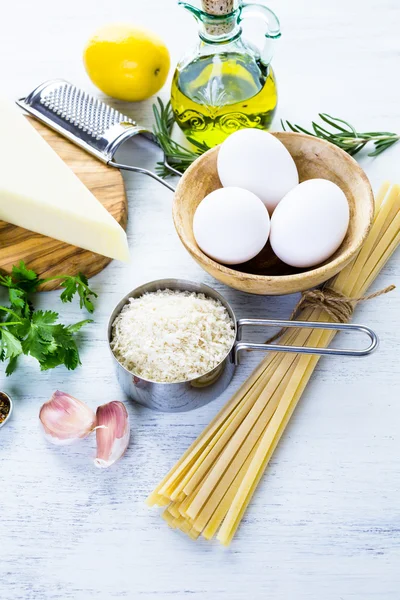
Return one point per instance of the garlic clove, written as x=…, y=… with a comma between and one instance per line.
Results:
x=112, y=433
x=66, y=419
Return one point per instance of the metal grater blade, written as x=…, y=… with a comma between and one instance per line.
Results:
x=82, y=110
x=85, y=120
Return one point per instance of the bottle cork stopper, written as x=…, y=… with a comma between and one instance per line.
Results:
x=219, y=8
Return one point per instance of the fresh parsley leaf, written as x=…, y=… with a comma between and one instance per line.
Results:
x=26, y=279
x=6, y=280
x=45, y=335
x=69, y=285
x=62, y=351
x=22, y=273
x=71, y=358
x=63, y=337
x=34, y=345
x=78, y=284
x=12, y=365
x=18, y=297
x=52, y=343
x=53, y=360
x=85, y=293
x=20, y=328
x=38, y=333
x=77, y=326
x=44, y=324
x=10, y=345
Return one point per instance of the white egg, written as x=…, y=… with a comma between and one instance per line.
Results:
x=257, y=161
x=231, y=225
x=310, y=223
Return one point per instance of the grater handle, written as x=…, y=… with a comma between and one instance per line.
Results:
x=111, y=163
x=89, y=123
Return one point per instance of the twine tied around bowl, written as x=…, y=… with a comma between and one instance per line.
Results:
x=339, y=307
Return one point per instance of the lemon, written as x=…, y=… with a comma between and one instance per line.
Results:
x=126, y=62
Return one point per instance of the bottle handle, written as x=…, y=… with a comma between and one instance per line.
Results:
x=254, y=10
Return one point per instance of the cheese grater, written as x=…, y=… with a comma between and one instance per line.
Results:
x=87, y=122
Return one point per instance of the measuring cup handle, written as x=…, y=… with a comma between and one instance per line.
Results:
x=254, y=10
x=239, y=346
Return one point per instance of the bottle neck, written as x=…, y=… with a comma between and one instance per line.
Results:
x=217, y=30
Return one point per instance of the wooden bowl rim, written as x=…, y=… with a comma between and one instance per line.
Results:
x=335, y=265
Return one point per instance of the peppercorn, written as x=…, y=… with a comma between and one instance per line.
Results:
x=4, y=407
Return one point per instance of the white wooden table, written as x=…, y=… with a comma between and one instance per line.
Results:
x=325, y=521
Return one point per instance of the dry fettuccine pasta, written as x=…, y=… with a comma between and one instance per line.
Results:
x=208, y=490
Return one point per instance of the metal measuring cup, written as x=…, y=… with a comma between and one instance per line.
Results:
x=187, y=395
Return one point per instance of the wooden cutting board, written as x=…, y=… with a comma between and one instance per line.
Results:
x=50, y=257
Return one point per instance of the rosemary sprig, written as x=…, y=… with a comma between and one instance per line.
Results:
x=345, y=135
x=177, y=156
x=334, y=130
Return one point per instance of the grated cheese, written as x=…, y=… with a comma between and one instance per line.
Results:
x=171, y=336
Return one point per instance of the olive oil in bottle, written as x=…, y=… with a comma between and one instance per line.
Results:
x=226, y=83
x=216, y=95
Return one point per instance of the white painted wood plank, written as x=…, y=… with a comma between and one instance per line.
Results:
x=325, y=521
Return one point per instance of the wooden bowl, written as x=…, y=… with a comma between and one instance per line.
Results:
x=266, y=274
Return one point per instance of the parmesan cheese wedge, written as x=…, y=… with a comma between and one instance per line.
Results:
x=40, y=193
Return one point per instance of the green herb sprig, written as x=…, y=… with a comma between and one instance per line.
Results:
x=24, y=330
x=345, y=135
x=339, y=132
x=178, y=157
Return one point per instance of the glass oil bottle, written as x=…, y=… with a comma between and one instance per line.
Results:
x=226, y=83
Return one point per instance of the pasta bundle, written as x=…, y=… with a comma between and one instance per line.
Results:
x=209, y=488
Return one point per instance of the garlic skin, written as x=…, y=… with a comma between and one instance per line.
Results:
x=66, y=419
x=112, y=433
